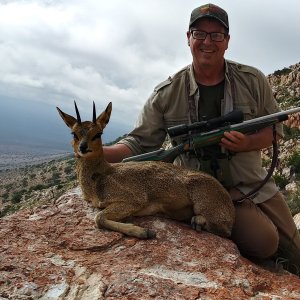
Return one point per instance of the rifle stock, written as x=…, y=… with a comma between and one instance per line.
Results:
x=167, y=155
x=207, y=138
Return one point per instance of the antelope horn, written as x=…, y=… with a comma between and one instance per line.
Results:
x=77, y=113
x=94, y=113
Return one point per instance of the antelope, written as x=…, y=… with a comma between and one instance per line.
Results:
x=130, y=189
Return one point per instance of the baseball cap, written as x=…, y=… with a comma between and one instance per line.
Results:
x=209, y=11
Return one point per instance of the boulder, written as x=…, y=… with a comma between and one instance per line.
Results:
x=55, y=252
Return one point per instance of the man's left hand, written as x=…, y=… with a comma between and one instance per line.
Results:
x=236, y=141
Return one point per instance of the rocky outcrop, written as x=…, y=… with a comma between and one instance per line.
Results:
x=286, y=85
x=55, y=252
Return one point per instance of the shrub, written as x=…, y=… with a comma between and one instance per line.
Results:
x=280, y=180
x=290, y=133
x=25, y=182
x=293, y=202
x=5, y=196
x=266, y=162
x=284, y=71
x=8, y=186
x=294, y=161
x=17, y=196
x=38, y=187
x=6, y=210
x=68, y=169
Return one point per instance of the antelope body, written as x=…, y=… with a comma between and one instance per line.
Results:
x=123, y=190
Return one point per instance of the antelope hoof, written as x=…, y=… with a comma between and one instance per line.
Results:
x=147, y=234
x=151, y=234
x=198, y=222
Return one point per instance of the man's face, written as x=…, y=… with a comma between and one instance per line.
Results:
x=208, y=52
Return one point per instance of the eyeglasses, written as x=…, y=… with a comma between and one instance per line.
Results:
x=214, y=36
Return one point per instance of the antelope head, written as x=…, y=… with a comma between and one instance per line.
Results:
x=87, y=135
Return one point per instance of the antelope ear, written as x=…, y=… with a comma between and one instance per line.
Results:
x=69, y=120
x=103, y=119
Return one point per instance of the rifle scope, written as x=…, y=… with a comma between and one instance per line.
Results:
x=233, y=117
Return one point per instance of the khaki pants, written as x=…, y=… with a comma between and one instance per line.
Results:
x=267, y=230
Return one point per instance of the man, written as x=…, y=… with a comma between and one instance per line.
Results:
x=212, y=86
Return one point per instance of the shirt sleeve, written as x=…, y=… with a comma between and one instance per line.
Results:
x=270, y=105
x=149, y=132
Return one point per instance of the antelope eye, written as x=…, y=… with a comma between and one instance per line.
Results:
x=97, y=136
x=75, y=136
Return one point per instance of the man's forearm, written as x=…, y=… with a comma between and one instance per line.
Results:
x=116, y=153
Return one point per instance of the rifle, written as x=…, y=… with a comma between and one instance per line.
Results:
x=206, y=133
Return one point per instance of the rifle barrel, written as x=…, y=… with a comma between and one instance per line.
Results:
x=279, y=116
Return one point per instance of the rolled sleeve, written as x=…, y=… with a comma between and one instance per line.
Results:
x=149, y=132
x=270, y=105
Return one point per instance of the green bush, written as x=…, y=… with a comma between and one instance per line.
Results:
x=293, y=202
x=294, y=161
x=284, y=71
x=5, y=196
x=68, y=169
x=17, y=196
x=6, y=210
x=266, y=162
x=8, y=186
x=38, y=187
x=280, y=180
x=290, y=133
x=25, y=182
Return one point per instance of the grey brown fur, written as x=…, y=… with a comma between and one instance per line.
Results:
x=145, y=188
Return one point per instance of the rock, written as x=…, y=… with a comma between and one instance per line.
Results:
x=55, y=252
x=291, y=187
x=297, y=220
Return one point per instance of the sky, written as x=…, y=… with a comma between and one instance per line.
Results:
x=55, y=52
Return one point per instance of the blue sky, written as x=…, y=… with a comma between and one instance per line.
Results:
x=53, y=52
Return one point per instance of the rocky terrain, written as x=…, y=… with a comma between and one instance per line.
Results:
x=55, y=252
x=285, y=84
x=36, y=184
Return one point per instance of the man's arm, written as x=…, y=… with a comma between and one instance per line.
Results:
x=116, y=153
x=238, y=142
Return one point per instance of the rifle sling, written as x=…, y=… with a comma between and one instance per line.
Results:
x=253, y=193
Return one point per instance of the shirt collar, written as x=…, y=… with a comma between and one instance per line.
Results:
x=193, y=83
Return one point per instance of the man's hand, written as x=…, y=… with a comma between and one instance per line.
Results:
x=238, y=142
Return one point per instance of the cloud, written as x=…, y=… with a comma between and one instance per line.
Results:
x=58, y=51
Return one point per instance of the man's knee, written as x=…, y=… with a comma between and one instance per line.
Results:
x=261, y=246
x=265, y=247
x=253, y=232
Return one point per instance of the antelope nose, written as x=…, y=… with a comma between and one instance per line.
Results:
x=83, y=147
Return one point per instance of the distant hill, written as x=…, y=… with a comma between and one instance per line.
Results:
x=38, y=125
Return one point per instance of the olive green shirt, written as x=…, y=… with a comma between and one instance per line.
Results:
x=168, y=106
